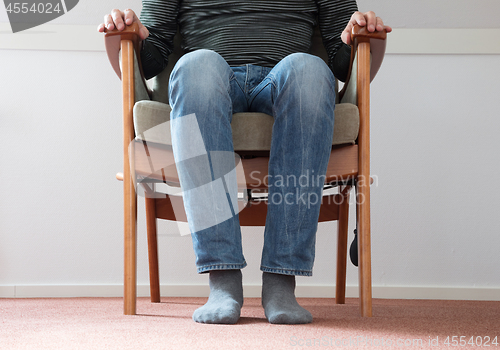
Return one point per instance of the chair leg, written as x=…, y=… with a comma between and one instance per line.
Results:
x=342, y=228
x=130, y=247
x=154, y=279
x=364, y=248
x=363, y=182
x=129, y=193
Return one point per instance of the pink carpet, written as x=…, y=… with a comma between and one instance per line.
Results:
x=98, y=323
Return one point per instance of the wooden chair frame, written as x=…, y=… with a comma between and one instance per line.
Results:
x=349, y=165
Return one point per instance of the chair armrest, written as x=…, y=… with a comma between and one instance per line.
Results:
x=377, y=46
x=377, y=42
x=112, y=42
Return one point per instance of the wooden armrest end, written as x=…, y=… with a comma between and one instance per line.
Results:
x=363, y=33
x=130, y=32
x=133, y=28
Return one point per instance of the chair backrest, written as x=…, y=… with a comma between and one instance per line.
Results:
x=159, y=84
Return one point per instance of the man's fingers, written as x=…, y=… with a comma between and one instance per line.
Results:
x=380, y=24
x=371, y=20
x=357, y=18
x=130, y=16
x=108, y=22
x=117, y=16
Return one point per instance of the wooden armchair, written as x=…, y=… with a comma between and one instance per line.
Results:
x=349, y=164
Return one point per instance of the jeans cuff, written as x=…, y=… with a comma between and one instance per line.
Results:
x=282, y=271
x=207, y=268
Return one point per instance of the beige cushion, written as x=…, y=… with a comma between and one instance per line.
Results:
x=251, y=131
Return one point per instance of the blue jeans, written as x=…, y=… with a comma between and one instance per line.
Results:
x=299, y=92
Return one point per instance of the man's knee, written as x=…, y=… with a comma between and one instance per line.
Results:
x=308, y=64
x=307, y=75
x=198, y=72
x=307, y=70
x=199, y=64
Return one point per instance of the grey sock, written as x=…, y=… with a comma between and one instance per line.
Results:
x=225, y=300
x=278, y=300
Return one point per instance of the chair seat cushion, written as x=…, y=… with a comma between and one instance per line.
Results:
x=251, y=131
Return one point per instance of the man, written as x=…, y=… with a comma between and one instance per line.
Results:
x=250, y=56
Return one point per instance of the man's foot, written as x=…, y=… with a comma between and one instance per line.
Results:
x=225, y=300
x=278, y=300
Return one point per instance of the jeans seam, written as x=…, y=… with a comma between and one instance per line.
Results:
x=254, y=94
x=224, y=266
x=231, y=78
x=272, y=78
x=295, y=271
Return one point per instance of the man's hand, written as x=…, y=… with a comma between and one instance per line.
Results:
x=119, y=19
x=367, y=19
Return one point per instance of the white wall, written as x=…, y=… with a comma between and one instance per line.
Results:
x=434, y=152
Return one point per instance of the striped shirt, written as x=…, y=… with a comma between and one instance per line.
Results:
x=259, y=32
